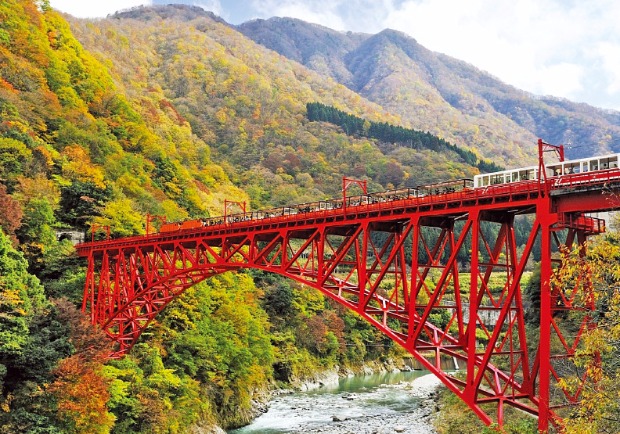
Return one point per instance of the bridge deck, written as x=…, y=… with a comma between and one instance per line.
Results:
x=571, y=193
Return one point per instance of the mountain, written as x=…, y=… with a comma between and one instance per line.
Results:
x=153, y=120
x=434, y=92
x=317, y=47
x=249, y=104
x=169, y=111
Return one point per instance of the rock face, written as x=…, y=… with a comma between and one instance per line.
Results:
x=207, y=430
x=325, y=378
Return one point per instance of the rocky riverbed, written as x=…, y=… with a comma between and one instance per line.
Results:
x=404, y=406
x=417, y=421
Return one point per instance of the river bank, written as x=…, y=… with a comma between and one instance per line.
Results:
x=417, y=421
x=387, y=402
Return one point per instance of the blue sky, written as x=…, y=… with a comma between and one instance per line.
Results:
x=564, y=48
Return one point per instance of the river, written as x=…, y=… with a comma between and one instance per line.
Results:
x=370, y=404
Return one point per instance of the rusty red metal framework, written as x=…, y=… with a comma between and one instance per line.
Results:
x=395, y=264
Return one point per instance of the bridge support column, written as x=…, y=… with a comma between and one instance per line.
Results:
x=471, y=387
x=544, y=352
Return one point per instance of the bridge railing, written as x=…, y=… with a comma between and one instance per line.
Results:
x=587, y=178
x=431, y=195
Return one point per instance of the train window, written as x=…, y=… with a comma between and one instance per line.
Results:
x=584, y=166
x=594, y=164
x=613, y=163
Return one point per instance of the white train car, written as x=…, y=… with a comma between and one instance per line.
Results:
x=569, y=167
x=506, y=176
x=583, y=165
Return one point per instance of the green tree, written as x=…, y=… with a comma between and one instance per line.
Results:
x=217, y=334
x=80, y=201
x=21, y=295
x=598, y=357
x=33, y=339
x=13, y=156
x=121, y=218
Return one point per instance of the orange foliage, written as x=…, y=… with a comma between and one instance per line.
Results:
x=10, y=213
x=6, y=85
x=80, y=388
x=82, y=393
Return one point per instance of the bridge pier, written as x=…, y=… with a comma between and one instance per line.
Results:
x=544, y=344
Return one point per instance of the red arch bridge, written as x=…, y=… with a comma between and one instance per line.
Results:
x=395, y=264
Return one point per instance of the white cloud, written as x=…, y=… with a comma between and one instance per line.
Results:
x=560, y=79
x=549, y=47
x=344, y=15
x=94, y=9
x=304, y=10
x=609, y=55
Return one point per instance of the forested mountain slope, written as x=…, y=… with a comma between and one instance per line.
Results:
x=434, y=92
x=74, y=152
x=170, y=111
x=167, y=115
x=248, y=103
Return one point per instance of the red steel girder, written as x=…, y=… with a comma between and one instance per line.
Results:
x=400, y=266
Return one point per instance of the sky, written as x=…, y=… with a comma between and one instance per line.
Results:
x=564, y=48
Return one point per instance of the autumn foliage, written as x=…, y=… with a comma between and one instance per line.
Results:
x=169, y=112
x=80, y=386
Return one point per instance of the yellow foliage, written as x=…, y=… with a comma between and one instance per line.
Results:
x=38, y=187
x=173, y=211
x=122, y=219
x=76, y=165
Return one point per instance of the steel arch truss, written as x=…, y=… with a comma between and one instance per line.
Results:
x=445, y=285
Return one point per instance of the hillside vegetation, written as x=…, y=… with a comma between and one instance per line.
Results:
x=170, y=111
x=249, y=105
x=395, y=135
x=169, y=120
x=437, y=93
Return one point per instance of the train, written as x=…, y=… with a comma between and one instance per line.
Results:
x=556, y=172
x=552, y=170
